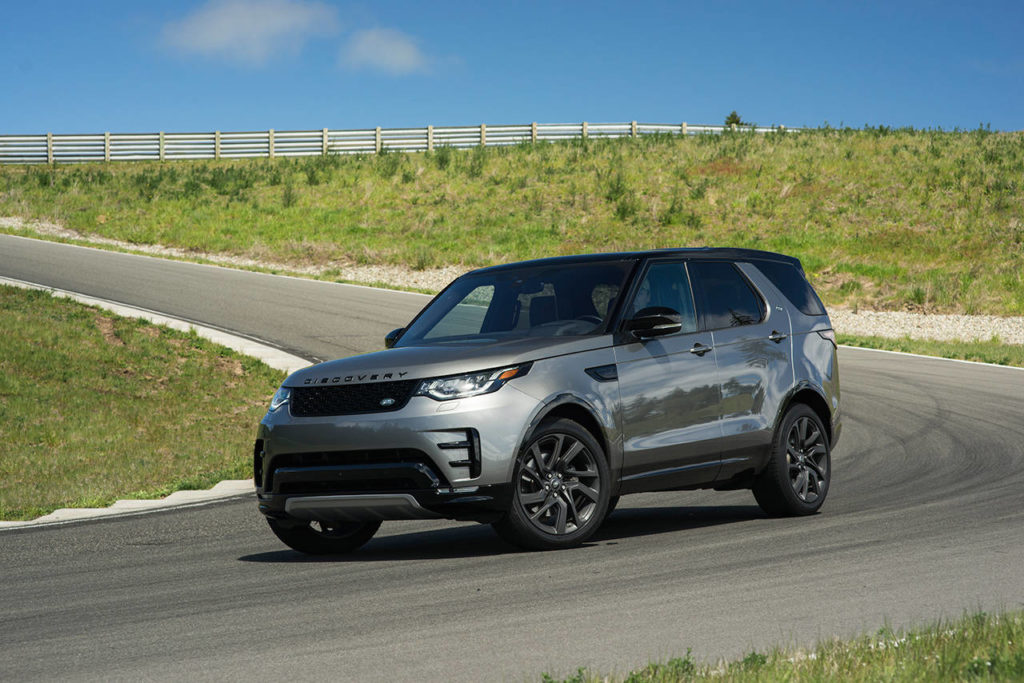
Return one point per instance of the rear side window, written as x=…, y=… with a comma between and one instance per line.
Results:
x=725, y=297
x=792, y=283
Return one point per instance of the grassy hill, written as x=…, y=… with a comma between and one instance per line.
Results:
x=886, y=219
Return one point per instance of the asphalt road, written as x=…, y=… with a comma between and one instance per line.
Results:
x=925, y=519
x=310, y=318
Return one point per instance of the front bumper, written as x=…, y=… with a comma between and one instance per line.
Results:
x=451, y=459
x=480, y=504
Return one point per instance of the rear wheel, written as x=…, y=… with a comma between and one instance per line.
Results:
x=796, y=479
x=561, y=487
x=324, y=538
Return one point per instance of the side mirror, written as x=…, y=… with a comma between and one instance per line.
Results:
x=391, y=338
x=654, y=321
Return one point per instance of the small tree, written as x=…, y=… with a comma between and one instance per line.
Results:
x=733, y=119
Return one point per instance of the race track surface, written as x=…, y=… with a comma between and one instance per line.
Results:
x=925, y=519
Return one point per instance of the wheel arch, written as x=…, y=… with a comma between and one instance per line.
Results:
x=581, y=412
x=806, y=394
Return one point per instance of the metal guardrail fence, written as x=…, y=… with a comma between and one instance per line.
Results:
x=50, y=148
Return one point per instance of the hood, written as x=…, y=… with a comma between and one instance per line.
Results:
x=421, y=362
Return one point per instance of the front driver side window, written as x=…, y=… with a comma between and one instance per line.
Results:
x=666, y=284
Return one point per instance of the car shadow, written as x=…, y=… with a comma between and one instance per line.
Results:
x=646, y=521
x=478, y=540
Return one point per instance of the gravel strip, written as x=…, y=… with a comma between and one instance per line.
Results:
x=940, y=327
x=891, y=324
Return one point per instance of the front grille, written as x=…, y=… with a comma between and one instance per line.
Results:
x=350, y=399
x=363, y=460
x=381, y=456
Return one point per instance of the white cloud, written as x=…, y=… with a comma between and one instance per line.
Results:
x=250, y=32
x=384, y=49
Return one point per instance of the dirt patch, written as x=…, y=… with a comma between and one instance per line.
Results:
x=720, y=167
x=230, y=365
x=106, y=327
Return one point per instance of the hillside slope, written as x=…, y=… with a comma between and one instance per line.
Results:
x=882, y=219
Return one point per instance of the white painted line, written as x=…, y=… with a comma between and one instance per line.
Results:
x=921, y=355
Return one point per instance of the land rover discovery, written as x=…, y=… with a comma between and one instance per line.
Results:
x=533, y=395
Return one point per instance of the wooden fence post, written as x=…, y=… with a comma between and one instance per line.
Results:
x=49, y=148
x=323, y=143
x=216, y=144
x=483, y=134
x=682, y=129
x=430, y=138
x=632, y=129
x=584, y=130
x=533, y=132
x=161, y=145
x=106, y=146
x=377, y=143
x=270, y=141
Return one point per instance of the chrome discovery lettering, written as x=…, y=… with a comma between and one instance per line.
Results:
x=374, y=377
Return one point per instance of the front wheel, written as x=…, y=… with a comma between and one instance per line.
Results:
x=796, y=479
x=324, y=538
x=561, y=487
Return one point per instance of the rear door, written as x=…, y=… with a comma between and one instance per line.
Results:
x=669, y=391
x=752, y=351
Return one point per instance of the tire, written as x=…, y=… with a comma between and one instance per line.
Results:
x=324, y=538
x=560, y=489
x=612, y=503
x=796, y=479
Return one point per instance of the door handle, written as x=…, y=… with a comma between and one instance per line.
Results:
x=777, y=336
x=699, y=349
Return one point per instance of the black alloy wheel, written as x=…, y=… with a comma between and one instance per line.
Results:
x=796, y=479
x=561, y=489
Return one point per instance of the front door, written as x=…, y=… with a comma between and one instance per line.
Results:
x=669, y=392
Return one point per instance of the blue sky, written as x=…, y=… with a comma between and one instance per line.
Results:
x=122, y=66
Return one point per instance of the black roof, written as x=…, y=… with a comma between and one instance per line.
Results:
x=731, y=253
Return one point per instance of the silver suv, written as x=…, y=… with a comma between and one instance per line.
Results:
x=531, y=396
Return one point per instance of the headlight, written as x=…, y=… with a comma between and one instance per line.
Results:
x=464, y=386
x=280, y=397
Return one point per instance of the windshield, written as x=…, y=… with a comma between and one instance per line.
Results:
x=539, y=301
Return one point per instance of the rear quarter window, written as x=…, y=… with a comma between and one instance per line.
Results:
x=793, y=285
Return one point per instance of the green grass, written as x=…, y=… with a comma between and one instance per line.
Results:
x=883, y=219
x=978, y=647
x=95, y=407
x=980, y=351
